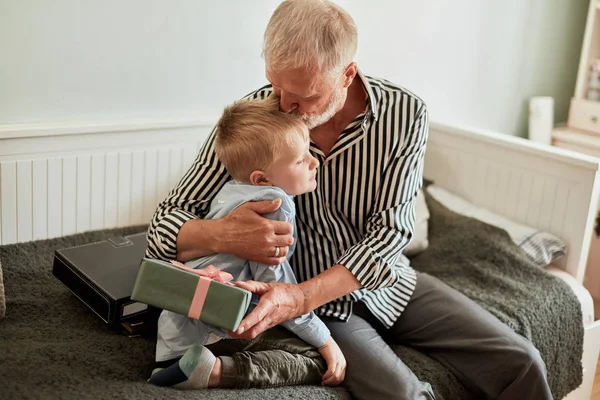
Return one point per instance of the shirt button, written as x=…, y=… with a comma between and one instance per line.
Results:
x=327, y=205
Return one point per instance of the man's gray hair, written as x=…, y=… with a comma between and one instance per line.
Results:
x=317, y=35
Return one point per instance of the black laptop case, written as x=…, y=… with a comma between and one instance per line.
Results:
x=102, y=276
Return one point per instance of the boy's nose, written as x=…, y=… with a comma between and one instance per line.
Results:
x=314, y=163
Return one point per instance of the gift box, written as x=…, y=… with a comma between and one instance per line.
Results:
x=203, y=294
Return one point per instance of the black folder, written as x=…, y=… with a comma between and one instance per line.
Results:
x=102, y=276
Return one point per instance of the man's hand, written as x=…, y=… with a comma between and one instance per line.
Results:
x=336, y=363
x=279, y=302
x=250, y=236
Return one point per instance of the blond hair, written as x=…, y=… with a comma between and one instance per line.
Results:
x=317, y=35
x=252, y=134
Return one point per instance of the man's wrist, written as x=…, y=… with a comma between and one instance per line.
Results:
x=306, y=297
x=335, y=282
x=213, y=236
x=197, y=238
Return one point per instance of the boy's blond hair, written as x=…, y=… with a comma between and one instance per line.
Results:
x=252, y=134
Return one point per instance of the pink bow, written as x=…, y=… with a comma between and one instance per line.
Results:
x=210, y=272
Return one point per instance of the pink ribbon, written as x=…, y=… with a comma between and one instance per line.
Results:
x=206, y=275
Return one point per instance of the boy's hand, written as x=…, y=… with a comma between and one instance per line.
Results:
x=336, y=363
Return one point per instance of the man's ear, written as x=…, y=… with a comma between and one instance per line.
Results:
x=350, y=73
x=257, y=178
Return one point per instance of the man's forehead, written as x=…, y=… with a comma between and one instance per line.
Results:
x=296, y=81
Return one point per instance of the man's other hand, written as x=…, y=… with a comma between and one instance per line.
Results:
x=279, y=302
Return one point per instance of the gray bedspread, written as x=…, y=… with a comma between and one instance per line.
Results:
x=51, y=346
x=481, y=261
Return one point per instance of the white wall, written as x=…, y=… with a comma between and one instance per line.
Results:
x=474, y=62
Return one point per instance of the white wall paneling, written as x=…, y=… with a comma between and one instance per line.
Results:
x=40, y=198
x=98, y=180
x=8, y=197
x=540, y=186
x=24, y=201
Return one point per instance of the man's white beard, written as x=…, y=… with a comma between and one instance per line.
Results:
x=312, y=121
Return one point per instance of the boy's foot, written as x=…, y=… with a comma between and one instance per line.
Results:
x=192, y=371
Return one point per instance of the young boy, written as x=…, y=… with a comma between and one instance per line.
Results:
x=266, y=152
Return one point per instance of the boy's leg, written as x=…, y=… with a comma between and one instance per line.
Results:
x=184, y=338
x=274, y=358
x=191, y=371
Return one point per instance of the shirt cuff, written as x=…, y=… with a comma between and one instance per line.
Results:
x=313, y=332
x=370, y=269
x=162, y=243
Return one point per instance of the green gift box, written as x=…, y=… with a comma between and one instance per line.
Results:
x=197, y=293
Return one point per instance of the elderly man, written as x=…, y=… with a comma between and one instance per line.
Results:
x=370, y=137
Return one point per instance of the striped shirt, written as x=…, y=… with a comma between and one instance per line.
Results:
x=361, y=215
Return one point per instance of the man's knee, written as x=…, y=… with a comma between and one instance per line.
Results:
x=386, y=383
x=530, y=360
x=527, y=368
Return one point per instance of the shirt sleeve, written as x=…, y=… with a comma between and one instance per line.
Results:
x=190, y=199
x=374, y=260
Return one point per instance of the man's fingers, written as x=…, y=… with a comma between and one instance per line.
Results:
x=258, y=288
x=257, y=329
x=263, y=207
x=254, y=318
x=282, y=228
x=283, y=251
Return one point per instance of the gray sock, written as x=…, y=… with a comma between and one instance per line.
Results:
x=197, y=363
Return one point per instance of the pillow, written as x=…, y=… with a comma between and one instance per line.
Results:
x=542, y=247
x=419, y=241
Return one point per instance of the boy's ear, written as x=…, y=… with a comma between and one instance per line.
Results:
x=257, y=178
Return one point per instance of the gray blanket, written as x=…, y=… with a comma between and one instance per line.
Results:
x=482, y=262
x=51, y=346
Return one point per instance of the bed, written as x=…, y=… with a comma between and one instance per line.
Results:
x=57, y=348
x=540, y=186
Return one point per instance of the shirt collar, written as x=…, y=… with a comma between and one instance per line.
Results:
x=371, y=99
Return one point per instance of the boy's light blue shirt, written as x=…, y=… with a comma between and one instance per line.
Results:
x=177, y=332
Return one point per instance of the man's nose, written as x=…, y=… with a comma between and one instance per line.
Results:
x=287, y=103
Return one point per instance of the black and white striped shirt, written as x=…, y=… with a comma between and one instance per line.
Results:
x=362, y=213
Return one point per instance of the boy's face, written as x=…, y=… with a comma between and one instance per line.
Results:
x=295, y=171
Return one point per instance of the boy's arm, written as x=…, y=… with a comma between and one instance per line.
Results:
x=307, y=327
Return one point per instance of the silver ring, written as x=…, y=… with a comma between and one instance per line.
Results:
x=276, y=251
